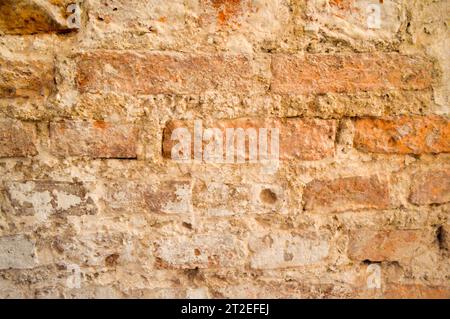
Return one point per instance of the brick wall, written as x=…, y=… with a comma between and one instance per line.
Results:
x=92, y=203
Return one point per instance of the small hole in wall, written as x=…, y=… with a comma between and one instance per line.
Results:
x=197, y=252
x=268, y=196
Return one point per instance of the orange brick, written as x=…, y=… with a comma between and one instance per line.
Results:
x=343, y=194
x=156, y=73
x=395, y=245
x=304, y=139
x=432, y=187
x=397, y=291
x=403, y=135
x=323, y=73
x=17, y=139
x=94, y=139
x=25, y=78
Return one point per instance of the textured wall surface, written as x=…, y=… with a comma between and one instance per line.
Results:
x=93, y=205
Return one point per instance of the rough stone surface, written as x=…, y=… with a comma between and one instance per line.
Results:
x=431, y=187
x=94, y=205
x=17, y=139
x=17, y=252
x=351, y=193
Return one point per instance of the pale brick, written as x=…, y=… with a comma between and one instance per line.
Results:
x=45, y=198
x=171, y=197
x=403, y=135
x=17, y=252
x=226, y=199
x=343, y=194
x=431, y=187
x=348, y=73
x=202, y=251
x=17, y=139
x=96, y=139
x=284, y=251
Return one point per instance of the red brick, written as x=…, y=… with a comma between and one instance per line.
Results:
x=304, y=139
x=398, y=291
x=403, y=135
x=25, y=77
x=156, y=73
x=324, y=73
x=350, y=193
x=17, y=139
x=394, y=245
x=94, y=139
x=432, y=187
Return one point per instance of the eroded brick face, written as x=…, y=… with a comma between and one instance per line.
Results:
x=170, y=73
x=403, y=135
x=395, y=245
x=432, y=187
x=351, y=193
x=339, y=187
x=17, y=139
x=96, y=139
x=303, y=139
x=31, y=77
x=349, y=73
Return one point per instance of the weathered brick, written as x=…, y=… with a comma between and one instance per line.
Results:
x=30, y=16
x=350, y=193
x=44, y=198
x=431, y=187
x=163, y=197
x=155, y=73
x=403, y=135
x=225, y=199
x=202, y=251
x=351, y=20
x=399, y=291
x=96, y=139
x=26, y=77
x=385, y=245
x=17, y=139
x=348, y=73
x=17, y=252
x=304, y=139
x=284, y=251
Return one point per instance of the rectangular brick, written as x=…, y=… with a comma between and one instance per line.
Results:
x=430, y=187
x=348, y=73
x=202, y=251
x=95, y=139
x=403, y=135
x=284, y=251
x=225, y=199
x=17, y=139
x=45, y=198
x=26, y=77
x=387, y=245
x=158, y=73
x=343, y=194
x=304, y=139
x=17, y=252
x=171, y=197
